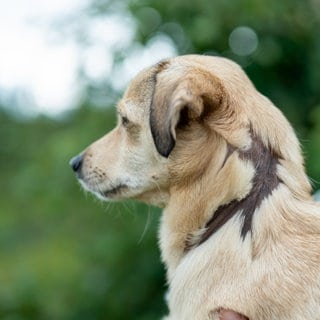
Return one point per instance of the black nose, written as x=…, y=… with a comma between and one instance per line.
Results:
x=76, y=163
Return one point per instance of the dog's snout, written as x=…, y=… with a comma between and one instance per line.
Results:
x=76, y=163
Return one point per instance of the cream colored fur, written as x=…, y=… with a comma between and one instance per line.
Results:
x=271, y=274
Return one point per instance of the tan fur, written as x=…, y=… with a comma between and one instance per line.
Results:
x=273, y=273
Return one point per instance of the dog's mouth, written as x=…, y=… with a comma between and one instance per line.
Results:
x=114, y=191
x=103, y=192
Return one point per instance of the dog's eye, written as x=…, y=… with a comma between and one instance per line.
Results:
x=124, y=121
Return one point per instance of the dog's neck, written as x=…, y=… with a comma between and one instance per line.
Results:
x=244, y=180
x=264, y=181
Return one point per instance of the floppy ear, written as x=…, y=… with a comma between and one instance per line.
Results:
x=197, y=93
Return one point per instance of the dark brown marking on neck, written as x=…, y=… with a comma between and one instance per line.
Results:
x=230, y=150
x=264, y=182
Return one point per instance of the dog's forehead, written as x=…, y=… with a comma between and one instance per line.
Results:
x=132, y=110
x=137, y=98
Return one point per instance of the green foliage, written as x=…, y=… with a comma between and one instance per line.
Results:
x=64, y=255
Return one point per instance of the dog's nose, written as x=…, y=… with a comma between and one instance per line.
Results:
x=76, y=163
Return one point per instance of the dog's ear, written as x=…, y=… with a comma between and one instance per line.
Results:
x=194, y=95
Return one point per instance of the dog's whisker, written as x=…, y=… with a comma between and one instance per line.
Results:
x=109, y=205
x=147, y=225
x=157, y=185
x=99, y=189
x=129, y=208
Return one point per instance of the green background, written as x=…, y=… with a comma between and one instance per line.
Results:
x=65, y=255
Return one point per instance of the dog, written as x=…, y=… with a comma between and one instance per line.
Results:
x=240, y=233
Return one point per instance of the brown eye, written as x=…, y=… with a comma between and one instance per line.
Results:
x=124, y=121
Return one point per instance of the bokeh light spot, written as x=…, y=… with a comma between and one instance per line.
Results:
x=243, y=41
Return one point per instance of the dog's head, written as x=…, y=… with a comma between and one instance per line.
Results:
x=175, y=120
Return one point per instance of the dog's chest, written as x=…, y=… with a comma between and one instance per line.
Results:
x=207, y=277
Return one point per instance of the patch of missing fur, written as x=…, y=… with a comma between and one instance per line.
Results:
x=264, y=182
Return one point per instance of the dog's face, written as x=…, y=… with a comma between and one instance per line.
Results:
x=125, y=163
x=175, y=120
